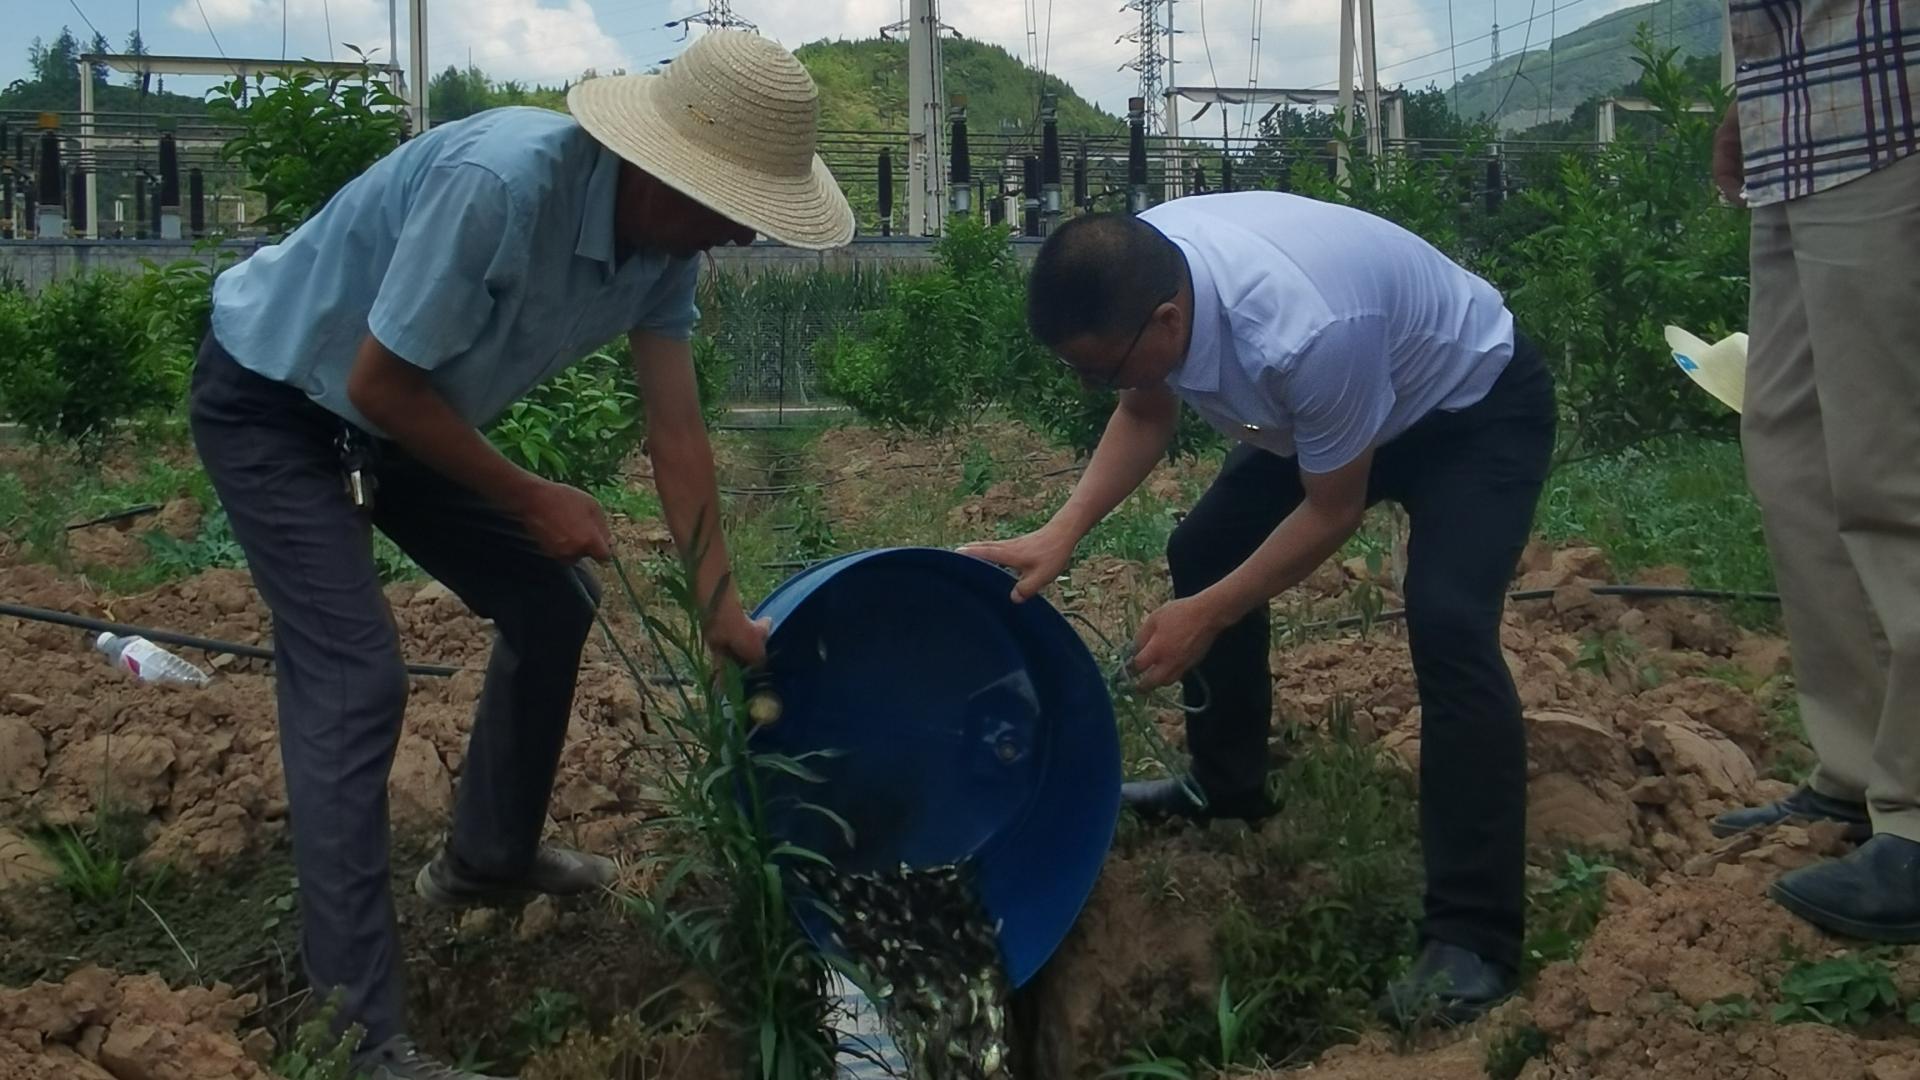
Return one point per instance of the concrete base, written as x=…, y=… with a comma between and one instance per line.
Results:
x=39, y=262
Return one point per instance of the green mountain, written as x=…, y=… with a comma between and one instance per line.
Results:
x=1548, y=80
x=863, y=87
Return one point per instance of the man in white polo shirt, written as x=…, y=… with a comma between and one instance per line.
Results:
x=1352, y=362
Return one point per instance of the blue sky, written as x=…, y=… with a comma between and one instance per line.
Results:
x=555, y=40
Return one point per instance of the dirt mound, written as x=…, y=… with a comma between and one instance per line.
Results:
x=1679, y=980
x=1631, y=747
x=203, y=765
x=1375, y=1058
x=1650, y=995
x=99, y=1026
x=1102, y=990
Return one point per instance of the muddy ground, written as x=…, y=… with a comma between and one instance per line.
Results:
x=1644, y=720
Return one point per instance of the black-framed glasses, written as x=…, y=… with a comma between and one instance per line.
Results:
x=1107, y=381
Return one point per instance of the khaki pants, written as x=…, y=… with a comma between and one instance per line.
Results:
x=1831, y=430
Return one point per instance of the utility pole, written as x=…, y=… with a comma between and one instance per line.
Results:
x=1363, y=10
x=393, y=53
x=1726, y=51
x=1369, y=63
x=417, y=48
x=1341, y=153
x=926, y=116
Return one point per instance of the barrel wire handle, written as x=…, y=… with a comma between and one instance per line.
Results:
x=1121, y=682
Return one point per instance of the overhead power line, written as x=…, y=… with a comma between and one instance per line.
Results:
x=84, y=19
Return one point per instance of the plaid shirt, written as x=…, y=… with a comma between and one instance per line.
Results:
x=1827, y=90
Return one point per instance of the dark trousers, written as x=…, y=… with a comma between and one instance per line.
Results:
x=1469, y=481
x=342, y=689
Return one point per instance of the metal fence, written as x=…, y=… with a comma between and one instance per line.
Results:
x=770, y=328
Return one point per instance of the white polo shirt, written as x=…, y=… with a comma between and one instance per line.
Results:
x=1320, y=330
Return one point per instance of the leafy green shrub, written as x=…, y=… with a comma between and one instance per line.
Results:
x=213, y=547
x=951, y=344
x=74, y=361
x=1563, y=911
x=1844, y=991
x=544, y=1022
x=174, y=306
x=1635, y=239
x=1725, y=1012
x=1510, y=1051
x=943, y=349
x=577, y=427
x=318, y=1053
x=1596, y=254
x=307, y=137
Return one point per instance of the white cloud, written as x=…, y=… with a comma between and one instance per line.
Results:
x=222, y=14
x=529, y=40
x=521, y=39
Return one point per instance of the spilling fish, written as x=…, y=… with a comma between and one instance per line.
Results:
x=935, y=961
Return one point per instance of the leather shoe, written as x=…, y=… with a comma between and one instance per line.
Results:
x=1872, y=894
x=556, y=871
x=1804, y=805
x=1158, y=800
x=1448, y=985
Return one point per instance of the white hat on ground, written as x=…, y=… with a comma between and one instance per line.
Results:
x=1720, y=369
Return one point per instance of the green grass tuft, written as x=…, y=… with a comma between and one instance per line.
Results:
x=1678, y=502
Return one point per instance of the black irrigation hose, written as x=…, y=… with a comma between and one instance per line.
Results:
x=117, y=515
x=212, y=645
x=168, y=637
x=1633, y=592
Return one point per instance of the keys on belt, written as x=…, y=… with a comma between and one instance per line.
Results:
x=356, y=466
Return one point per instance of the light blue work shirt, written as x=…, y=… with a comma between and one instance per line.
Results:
x=481, y=252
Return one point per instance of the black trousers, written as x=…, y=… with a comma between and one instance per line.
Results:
x=341, y=685
x=1469, y=481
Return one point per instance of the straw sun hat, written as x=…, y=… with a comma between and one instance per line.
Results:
x=1720, y=369
x=730, y=124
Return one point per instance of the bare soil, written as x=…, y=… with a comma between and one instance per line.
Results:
x=1643, y=721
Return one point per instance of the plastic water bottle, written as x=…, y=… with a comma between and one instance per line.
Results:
x=148, y=662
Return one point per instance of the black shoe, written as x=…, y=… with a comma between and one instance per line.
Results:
x=399, y=1059
x=1872, y=894
x=1448, y=985
x=556, y=871
x=1158, y=800
x=1803, y=806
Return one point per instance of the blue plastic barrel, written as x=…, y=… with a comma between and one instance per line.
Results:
x=966, y=726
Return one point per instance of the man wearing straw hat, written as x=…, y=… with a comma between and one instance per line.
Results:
x=1823, y=145
x=343, y=388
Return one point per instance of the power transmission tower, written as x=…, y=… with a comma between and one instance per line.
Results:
x=718, y=16
x=1496, y=43
x=1151, y=60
